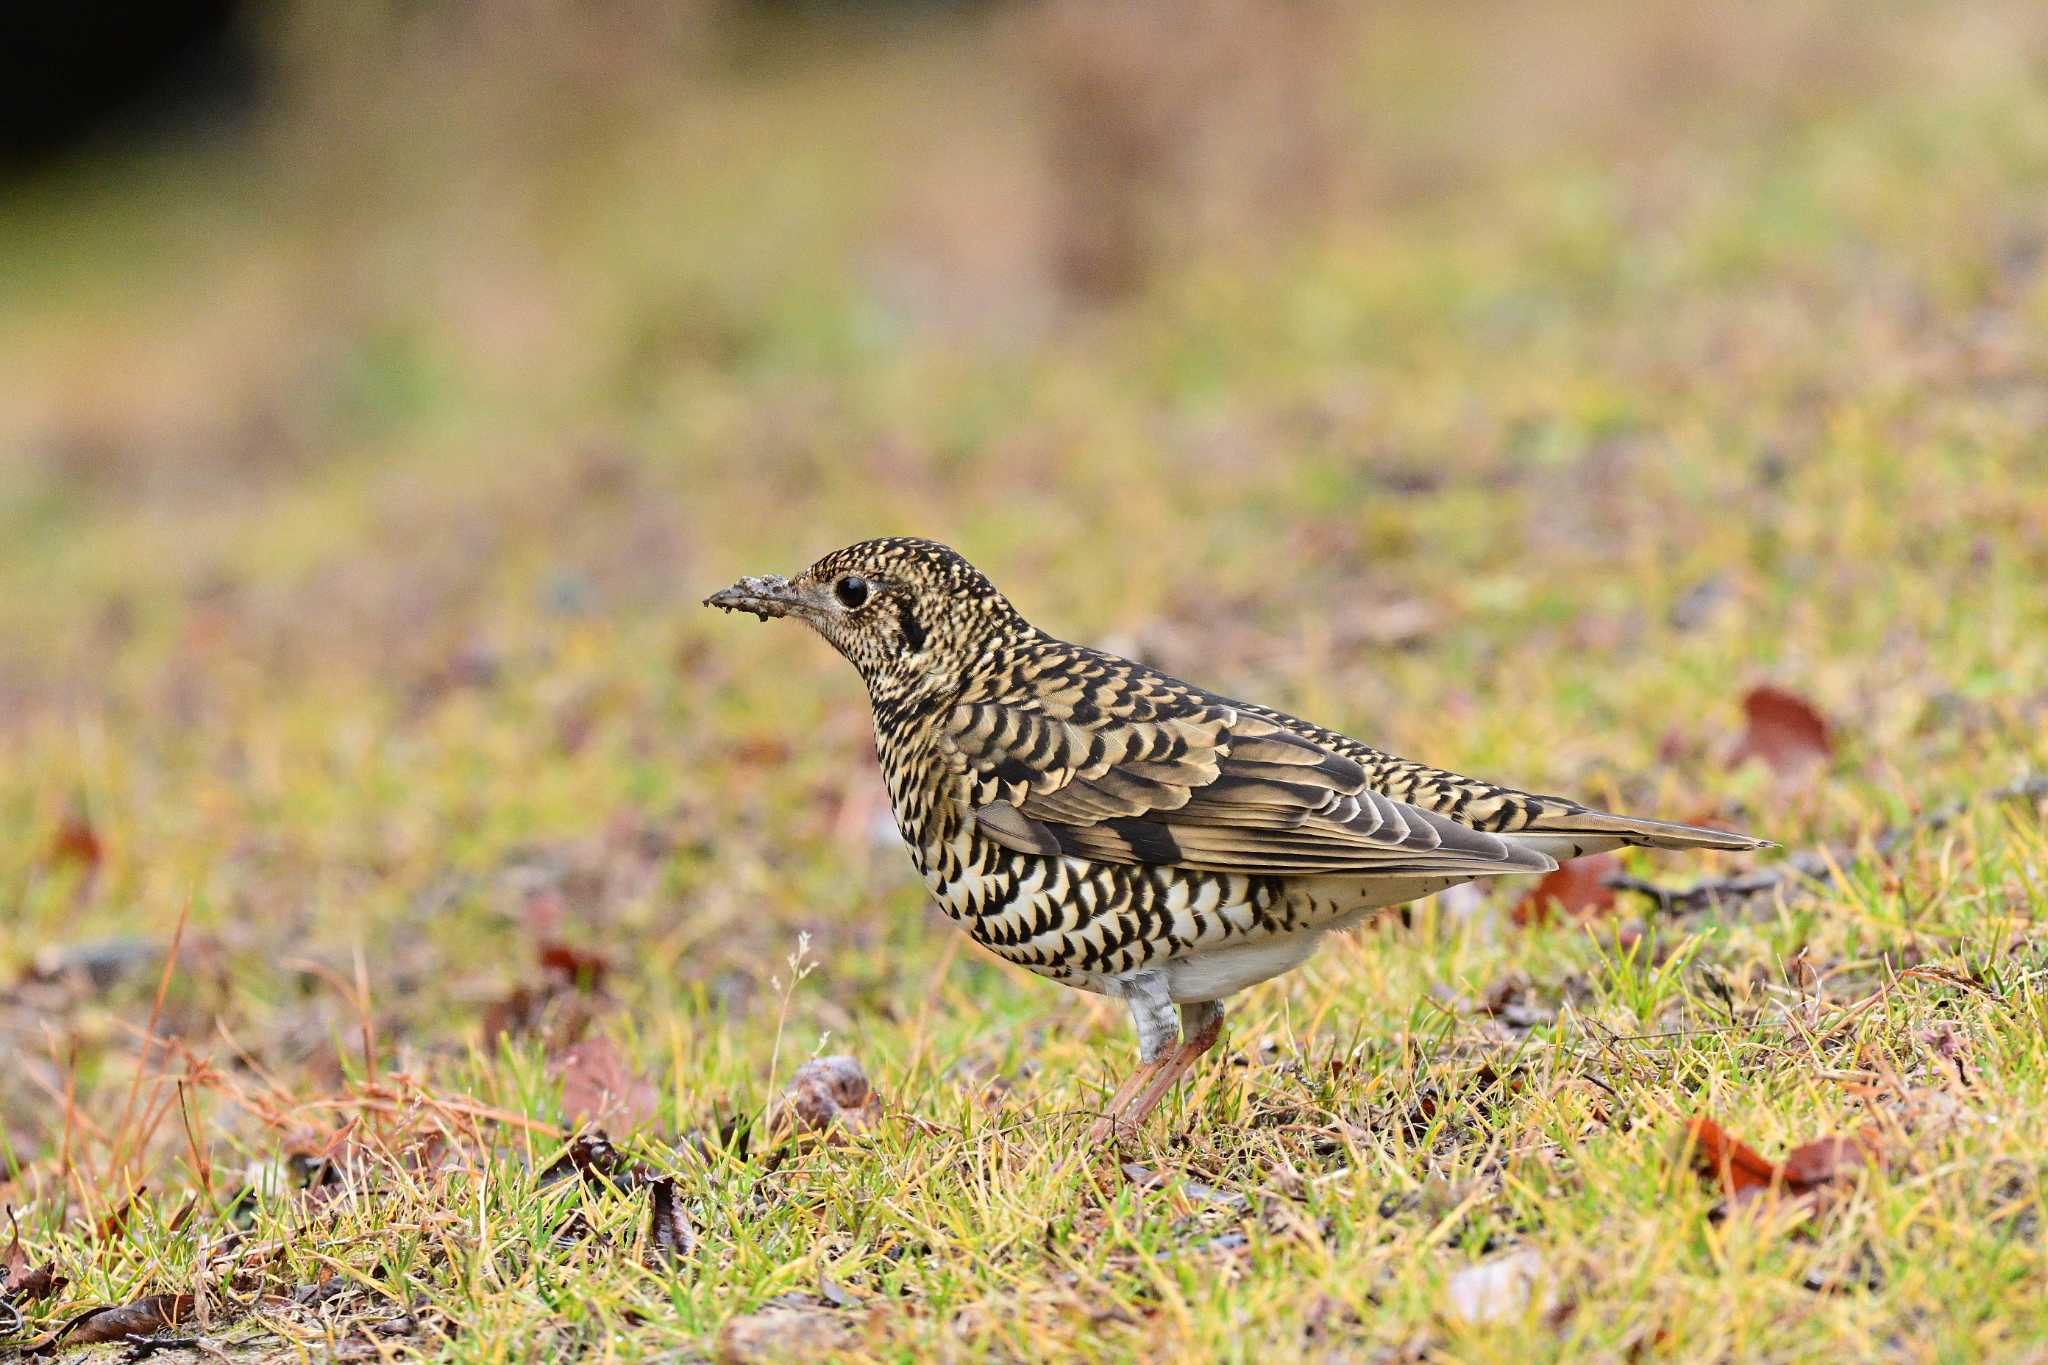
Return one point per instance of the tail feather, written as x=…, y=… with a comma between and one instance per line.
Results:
x=1598, y=830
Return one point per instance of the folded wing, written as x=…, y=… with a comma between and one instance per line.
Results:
x=1214, y=789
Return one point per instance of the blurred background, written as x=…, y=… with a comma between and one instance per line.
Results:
x=383, y=384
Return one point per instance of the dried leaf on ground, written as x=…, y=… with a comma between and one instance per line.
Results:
x=784, y=1333
x=1742, y=1174
x=118, y=1322
x=571, y=1232
x=591, y=1157
x=571, y=967
x=76, y=842
x=567, y=998
x=21, y=1282
x=826, y=1093
x=1578, y=887
x=14, y=1261
x=519, y=1012
x=1785, y=731
x=1816, y=1163
x=1726, y=1159
x=598, y=1086
x=670, y=1233
x=1501, y=1288
x=554, y=1011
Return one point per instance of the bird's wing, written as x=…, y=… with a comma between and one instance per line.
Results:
x=1207, y=787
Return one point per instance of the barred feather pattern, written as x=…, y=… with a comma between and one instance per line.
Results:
x=1087, y=817
x=1048, y=709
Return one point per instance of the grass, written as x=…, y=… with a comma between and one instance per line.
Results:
x=348, y=621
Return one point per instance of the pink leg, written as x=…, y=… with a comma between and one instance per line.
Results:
x=1207, y=1028
x=1105, y=1123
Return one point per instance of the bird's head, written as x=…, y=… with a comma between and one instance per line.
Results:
x=910, y=614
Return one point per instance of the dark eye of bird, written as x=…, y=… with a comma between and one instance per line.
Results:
x=850, y=591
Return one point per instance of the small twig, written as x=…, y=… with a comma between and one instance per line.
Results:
x=200, y=1165
x=1948, y=978
x=1807, y=866
x=479, y=1111
x=1817, y=864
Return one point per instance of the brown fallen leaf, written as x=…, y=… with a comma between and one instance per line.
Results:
x=598, y=1086
x=573, y=968
x=520, y=1012
x=557, y=1016
x=13, y=1261
x=76, y=842
x=1785, y=731
x=826, y=1093
x=1578, y=887
x=1801, y=974
x=1742, y=1174
x=591, y=1157
x=1731, y=1162
x=117, y=1322
x=21, y=1282
x=670, y=1234
x=564, y=1003
x=1816, y=1163
x=760, y=751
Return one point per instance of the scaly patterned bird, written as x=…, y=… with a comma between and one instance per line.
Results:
x=1124, y=832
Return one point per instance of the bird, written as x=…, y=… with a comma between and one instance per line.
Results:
x=1123, y=832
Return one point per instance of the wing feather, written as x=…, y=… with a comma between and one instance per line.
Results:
x=1209, y=787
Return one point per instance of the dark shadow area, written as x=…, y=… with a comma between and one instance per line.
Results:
x=76, y=73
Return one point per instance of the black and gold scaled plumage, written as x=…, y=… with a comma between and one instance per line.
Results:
x=1120, y=831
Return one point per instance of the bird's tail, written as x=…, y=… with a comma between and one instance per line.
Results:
x=1575, y=832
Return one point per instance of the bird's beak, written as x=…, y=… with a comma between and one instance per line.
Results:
x=770, y=595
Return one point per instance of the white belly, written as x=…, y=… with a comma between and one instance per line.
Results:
x=1326, y=905
x=1213, y=973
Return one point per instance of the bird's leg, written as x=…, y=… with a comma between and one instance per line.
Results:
x=1105, y=1123
x=1201, y=1024
x=1158, y=1034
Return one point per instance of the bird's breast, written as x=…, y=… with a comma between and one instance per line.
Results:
x=1073, y=919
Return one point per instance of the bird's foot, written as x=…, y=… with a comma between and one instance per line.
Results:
x=1138, y=1096
x=1104, y=1129
x=1172, y=1067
